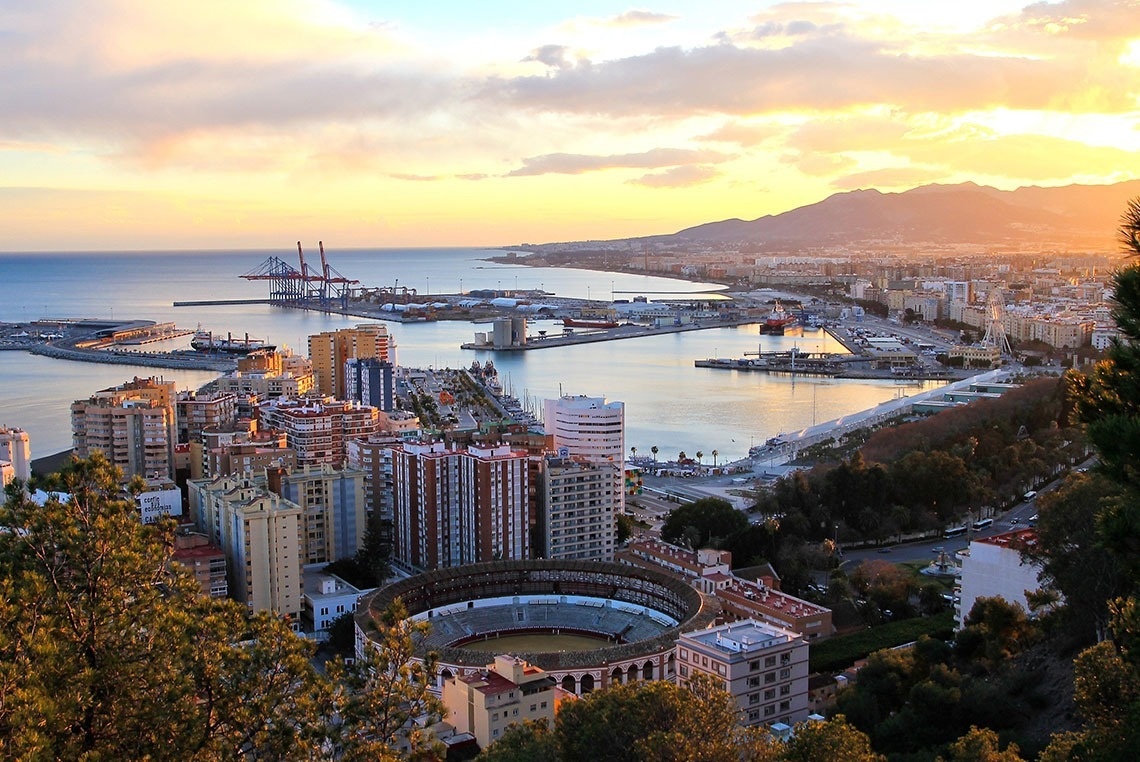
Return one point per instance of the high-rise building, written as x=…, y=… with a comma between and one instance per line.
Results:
x=590, y=428
x=764, y=667
x=195, y=412
x=455, y=507
x=269, y=375
x=260, y=534
x=133, y=425
x=329, y=351
x=577, y=509
x=332, y=509
x=15, y=454
x=369, y=381
x=318, y=429
x=373, y=456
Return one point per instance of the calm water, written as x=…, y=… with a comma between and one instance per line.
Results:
x=669, y=403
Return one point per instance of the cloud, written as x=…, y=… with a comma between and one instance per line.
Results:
x=576, y=164
x=820, y=164
x=554, y=56
x=414, y=178
x=741, y=133
x=639, y=18
x=678, y=177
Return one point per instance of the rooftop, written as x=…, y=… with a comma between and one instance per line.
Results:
x=742, y=637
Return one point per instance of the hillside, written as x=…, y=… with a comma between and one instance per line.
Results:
x=965, y=213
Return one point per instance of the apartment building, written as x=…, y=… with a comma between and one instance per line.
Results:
x=318, y=429
x=204, y=560
x=268, y=375
x=590, y=428
x=509, y=691
x=577, y=509
x=260, y=534
x=370, y=381
x=196, y=412
x=330, y=350
x=332, y=509
x=764, y=667
x=133, y=425
x=460, y=506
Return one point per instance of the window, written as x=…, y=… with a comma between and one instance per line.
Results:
x=785, y=658
x=753, y=715
x=785, y=674
x=770, y=677
x=533, y=707
x=769, y=694
x=684, y=671
x=785, y=689
x=769, y=710
x=754, y=665
x=785, y=706
x=770, y=661
x=543, y=704
x=754, y=698
x=753, y=682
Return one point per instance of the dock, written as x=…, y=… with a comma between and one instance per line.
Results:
x=626, y=331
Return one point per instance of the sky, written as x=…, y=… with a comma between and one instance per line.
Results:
x=134, y=125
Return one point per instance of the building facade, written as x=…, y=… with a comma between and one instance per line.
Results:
x=370, y=381
x=260, y=534
x=455, y=507
x=577, y=509
x=134, y=425
x=763, y=667
x=332, y=509
x=993, y=567
x=16, y=452
x=507, y=692
x=590, y=428
x=329, y=351
x=318, y=429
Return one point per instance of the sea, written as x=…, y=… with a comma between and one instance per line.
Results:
x=669, y=403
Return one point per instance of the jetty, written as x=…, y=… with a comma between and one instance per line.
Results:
x=573, y=337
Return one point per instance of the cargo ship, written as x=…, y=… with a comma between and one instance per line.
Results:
x=778, y=319
x=583, y=323
x=205, y=341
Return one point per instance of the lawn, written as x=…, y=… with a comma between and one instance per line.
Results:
x=842, y=651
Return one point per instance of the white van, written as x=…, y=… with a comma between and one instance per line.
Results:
x=1029, y=496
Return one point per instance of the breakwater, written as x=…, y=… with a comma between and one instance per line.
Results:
x=170, y=360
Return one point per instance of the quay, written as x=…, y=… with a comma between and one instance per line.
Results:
x=168, y=360
x=223, y=302
x=626, y=331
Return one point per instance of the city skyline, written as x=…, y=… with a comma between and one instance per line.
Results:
x=398, y=124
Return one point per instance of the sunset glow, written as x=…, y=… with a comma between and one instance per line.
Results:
x=212, y=124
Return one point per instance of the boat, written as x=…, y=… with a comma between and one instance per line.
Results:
x=778, y=319
x=205, y=341
x=582, y=323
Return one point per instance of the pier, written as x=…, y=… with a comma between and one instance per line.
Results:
x=626, y=331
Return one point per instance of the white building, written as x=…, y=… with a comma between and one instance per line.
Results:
x=15, y=454
x=590, y=428
x=764, y=667
x=993, y=567
x=327, y=596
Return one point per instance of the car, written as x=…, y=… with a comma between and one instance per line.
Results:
x=1015, y=520
x=883, y=550
x=1029, y=495
x=939, y=549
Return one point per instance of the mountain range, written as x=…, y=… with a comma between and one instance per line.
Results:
x=964, y=213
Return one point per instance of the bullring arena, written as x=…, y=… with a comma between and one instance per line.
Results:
x=588, y=624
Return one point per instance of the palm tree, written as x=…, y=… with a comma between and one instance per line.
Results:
x=653, y=450
x=699, y=456
x=681, y=457
x=714, y=454
x=632, y=453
